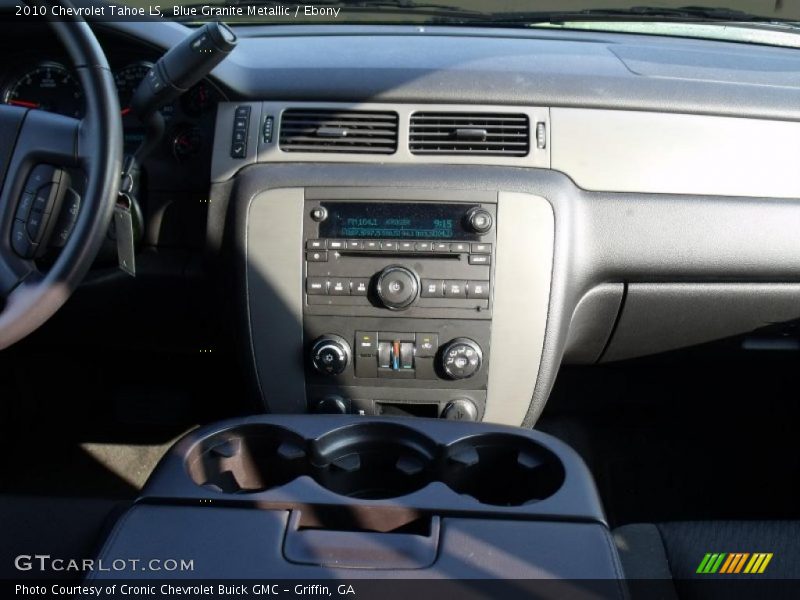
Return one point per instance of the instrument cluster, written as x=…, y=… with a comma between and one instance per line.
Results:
x=52, y=86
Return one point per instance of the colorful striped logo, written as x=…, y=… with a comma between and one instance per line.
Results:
x=734, y=562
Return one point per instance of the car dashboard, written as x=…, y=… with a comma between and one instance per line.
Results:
x=408, y=223
x=408, y=265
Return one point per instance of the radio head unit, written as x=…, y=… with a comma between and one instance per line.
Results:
x=399, y=256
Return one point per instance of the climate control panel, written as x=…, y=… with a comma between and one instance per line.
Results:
x=397, y=356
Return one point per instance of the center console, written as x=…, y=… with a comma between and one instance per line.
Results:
x=398, y=300
x=304, y=497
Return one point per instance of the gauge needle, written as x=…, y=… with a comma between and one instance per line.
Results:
x=24, y=103
x=126, y=110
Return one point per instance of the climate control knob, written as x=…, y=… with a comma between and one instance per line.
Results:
x=460, y=409
x=461, y=358
x=330, y=354
x=397, y=287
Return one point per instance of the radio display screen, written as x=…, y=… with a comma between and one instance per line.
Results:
x=396, y=220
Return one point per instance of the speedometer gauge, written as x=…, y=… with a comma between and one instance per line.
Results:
x=127, y=80
x=50, y=87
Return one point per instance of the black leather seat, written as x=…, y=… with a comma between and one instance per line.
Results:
x=64, y=528
x=669, y=555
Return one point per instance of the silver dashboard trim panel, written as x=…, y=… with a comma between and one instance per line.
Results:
x=522, y=278
x=662, y=153
x=274, y=283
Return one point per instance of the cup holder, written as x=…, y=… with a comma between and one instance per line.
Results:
x=502, y=469
x=249, y=458
x=373, y=461
x=377, y=461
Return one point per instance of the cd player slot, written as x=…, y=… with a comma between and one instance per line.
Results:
x=415, y=254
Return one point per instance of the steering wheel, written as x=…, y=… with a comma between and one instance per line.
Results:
x=35, y=148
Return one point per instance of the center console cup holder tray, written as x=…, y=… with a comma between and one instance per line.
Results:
x=424, y=466
x=373, y=460
x=502, y=469
x=247, y=458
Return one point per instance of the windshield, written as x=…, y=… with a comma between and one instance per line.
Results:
x=445, y=11
x=759, y=21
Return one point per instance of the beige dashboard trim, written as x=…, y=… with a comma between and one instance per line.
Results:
x=274, y=272
x=523, y=270
x=662, y=153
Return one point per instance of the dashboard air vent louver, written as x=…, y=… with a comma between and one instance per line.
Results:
x=479, y=134
x=323, y=130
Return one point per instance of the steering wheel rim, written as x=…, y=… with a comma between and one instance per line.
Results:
x=93, y=144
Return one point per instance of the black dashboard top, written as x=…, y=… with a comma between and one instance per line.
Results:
x=501, y=66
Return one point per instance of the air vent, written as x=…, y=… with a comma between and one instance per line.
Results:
x=479, y=134
x=320, y=130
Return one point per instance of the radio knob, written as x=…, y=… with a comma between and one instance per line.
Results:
x=330, y=355
x=397, y=287
x=479, y=219
x=461, y=358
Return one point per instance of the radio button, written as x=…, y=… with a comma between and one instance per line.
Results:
x=335, y=244
x=406, y=246
x=481, y=248
x=441, y=247
x=424, y=246
x=355, y=245
x=359, y=287
x=316, y=286
x=432, y=288
x=372, y=245
x=317, y=256
x=339, y=287
x=459, y=247
x=455, y=289
x=388, y=246
x=478, y=290
x=480, y=259
x=315, y=244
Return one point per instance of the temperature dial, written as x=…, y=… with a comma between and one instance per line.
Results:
x=330, y=355
x=461, y=358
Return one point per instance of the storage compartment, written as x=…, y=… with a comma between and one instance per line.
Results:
x=502, y=469
x=373, y=460
x=247, y=458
